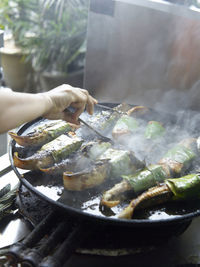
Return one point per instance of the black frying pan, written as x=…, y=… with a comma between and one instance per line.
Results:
x=84, y=205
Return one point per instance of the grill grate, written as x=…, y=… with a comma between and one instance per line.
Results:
x=50, y=244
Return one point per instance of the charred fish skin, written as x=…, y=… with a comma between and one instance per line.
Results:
x=174, y=162
x=94, y=150
x=76, y=162
x=112, y=197
x=91, y=177
x=140, y=181
x=138, y=111
x=153, y=196
x=137, y=183
x=50, y=153
x=110, y=164
x=42, y=134
x=32, y=162
x=174, y=189
x=121, y=162
x=79, y=159
x=68, y=164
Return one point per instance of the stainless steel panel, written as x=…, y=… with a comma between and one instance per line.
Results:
x=144, y=52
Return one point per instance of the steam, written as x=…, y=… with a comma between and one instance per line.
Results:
x=147, y=53
x=152, y=150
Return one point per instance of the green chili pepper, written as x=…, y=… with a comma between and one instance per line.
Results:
x=146, y=178
x=186, y=187
x=98, y=149
x=183, y=188
x=154, y=130
x=121, y=161
x=181, y=154
x=125, y=124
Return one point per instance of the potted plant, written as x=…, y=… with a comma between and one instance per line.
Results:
x=52, y=34
x=17, y=70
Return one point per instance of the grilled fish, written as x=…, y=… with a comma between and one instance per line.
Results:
x=176, y=189
x=121, y=161
x=49, y=153
x=43, y=134
x=91, y=177
x=105, y=120
x=176, y=160
x=79, y=159
x=109, y=164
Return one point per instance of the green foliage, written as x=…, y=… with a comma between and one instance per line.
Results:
x=53, y=31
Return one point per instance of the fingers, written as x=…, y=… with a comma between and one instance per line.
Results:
x=65, y=115
x=70, y=117
x=64, y=96
x=78, y=112
x=90, y=102
x=84, y=100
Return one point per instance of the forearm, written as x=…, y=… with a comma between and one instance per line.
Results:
x=18, y=108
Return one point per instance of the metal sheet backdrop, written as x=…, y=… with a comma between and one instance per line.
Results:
x=144, y=52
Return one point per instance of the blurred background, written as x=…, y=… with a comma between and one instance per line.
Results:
x=43, y=45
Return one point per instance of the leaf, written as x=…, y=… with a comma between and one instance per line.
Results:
x=47, y=28
x=5, y=190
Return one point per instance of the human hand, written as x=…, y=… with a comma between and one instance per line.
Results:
x=64, y=96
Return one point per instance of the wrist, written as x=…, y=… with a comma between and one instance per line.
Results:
x=46, y=102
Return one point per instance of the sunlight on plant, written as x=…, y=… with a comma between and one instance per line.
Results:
x=53, y=31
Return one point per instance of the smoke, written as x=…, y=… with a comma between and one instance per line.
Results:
x=150, y=57
x=145, y=55
x=151, y=150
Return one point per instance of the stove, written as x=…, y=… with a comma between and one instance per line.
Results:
x=48, y=238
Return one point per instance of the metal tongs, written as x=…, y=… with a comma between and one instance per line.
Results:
x=104, y=138
x=111, y=109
